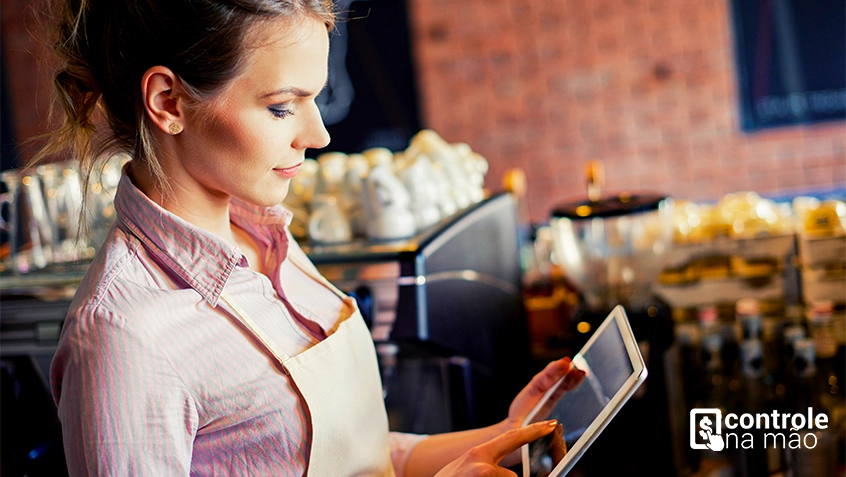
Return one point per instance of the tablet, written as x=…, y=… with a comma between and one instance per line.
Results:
x=614, y=369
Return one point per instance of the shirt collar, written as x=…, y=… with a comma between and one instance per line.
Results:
x=199, y=258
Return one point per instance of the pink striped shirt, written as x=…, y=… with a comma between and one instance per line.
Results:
x=152, y=377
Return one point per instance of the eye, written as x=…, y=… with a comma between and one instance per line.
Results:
x=281, y=111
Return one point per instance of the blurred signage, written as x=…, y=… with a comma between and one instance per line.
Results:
x=791, y=61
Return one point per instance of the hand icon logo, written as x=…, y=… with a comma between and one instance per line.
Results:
x=714, y=441
x=706, y=425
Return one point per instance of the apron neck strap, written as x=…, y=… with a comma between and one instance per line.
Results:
x=301, y=261
x=256, y=331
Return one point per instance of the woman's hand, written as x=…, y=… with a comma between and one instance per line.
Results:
x=436, y=451
x=529, y=397
x=483, y=460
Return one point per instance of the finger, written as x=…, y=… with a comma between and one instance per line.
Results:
x=569, y=380
x=499, y=447
x=573, y=378
x=550, y=375
x=559, y=391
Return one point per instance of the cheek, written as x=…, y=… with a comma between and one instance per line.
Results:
x=237, y=142
x=227, y=132
x=242, y=140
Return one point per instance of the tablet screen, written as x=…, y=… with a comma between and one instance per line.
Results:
x=607, y=366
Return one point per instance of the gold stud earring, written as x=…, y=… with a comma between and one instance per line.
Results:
x=175, y=128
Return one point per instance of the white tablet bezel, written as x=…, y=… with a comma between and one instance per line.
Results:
x=639, y=373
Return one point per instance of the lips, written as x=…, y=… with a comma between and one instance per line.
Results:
x=288, y=172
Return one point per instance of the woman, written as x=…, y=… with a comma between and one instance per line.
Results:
x=202, y=341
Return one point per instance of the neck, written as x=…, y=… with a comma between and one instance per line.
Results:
x=209, y=212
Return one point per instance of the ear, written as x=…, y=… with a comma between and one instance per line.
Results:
x=163, y=99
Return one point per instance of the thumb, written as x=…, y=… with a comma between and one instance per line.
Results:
x=499, y=447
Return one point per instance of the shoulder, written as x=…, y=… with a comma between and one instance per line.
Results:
x=128, y=301
x=113, y=258
x=117, y=307
x=123, y=280
x=103, y=350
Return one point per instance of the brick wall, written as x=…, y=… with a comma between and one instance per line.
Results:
x=645, y=86
x=26, y=62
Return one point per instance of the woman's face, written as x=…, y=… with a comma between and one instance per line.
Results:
x=250, y=140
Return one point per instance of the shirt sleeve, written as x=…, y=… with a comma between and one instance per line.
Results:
x=124, y=410
x=401, y=446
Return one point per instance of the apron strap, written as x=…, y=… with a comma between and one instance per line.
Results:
x=257, y=332
x=301, y=261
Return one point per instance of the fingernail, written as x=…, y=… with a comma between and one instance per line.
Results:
x=552, y=422
x=567, y=360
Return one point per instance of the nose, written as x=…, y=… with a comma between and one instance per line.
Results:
x=314, y=134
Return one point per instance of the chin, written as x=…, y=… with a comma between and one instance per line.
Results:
x=263, y=193
x=270, y=199
x=266, y=201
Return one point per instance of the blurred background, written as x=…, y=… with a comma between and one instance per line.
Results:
x=684, y=158
x=650, y=87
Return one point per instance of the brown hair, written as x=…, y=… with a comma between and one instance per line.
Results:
x=106, y=46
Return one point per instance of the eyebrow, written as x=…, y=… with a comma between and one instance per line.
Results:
x=295, y=91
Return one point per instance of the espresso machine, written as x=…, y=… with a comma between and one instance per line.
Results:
x=445, y=311
x=610, y=248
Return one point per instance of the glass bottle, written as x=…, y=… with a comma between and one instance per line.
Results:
x=707, y=317
x=712, y=387
x=804, y=393
x=792, y=334
x=754, y=399
x=748, y=314
x=820, y=330
x=712, y=383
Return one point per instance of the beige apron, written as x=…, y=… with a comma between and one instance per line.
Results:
x=339, y=380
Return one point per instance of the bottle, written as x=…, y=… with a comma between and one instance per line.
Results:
x=804, y=387
x=792, y=334
x=804, y=393
x=772, y=336
x=706, y=316
x=820, y=330
x=754, y=399
x=748, y=314
x=687, y=336
x=792, y=330
x=712, y=386
x=752, y=360
x=710, y=357
x=784, y=378
x=819, y=327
